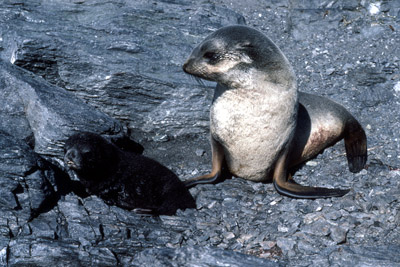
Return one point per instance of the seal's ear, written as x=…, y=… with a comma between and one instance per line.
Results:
x=247, y=50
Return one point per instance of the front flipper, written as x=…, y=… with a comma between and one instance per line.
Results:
x=355, y=142
x=217, y=171
x=285, y=185
x=204, y=179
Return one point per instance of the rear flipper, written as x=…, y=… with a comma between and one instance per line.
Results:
x=292, y=189
x=285, y=185
x=355, y=142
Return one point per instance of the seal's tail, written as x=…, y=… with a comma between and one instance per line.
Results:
x=355, y=142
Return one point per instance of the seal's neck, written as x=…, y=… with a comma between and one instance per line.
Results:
x=282, y=79
x=274, y=80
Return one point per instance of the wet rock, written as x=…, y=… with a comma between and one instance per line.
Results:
x=123, y=59
x=33, y=252
x=286, y=244
x=338, y=234
x=372, y=256
x=198, y=256
x=48, y=112
x=199, y=152
x=116, y=63
x=27, y=181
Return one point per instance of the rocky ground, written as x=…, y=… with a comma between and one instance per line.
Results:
x=114, y=67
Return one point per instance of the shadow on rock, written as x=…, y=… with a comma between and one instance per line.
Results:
x=125, y=179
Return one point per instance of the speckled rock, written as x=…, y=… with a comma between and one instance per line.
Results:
x=114, y=67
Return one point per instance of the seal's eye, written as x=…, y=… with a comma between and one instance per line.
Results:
x=211, y=56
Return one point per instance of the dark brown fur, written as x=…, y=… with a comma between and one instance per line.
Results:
x=124, y=179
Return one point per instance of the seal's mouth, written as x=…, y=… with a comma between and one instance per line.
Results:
x=71, y=164
x=187, y=69
x=197, y=71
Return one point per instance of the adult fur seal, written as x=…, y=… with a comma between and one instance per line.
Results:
x=125, y=179
x=261, y=126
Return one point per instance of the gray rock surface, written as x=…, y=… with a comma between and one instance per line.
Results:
x=114, y=67
x=47, y=114
x=197, y=256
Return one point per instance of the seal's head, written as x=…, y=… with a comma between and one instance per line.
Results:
x=90, y=155
x=233, y=55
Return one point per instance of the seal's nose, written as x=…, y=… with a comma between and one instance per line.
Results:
x=186, y=65
x=70, y=157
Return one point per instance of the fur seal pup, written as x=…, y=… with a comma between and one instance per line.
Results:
x=261, y=127
x=125, y=179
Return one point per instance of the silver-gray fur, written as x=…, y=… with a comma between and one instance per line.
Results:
x=254, y=111
x=260, y=125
